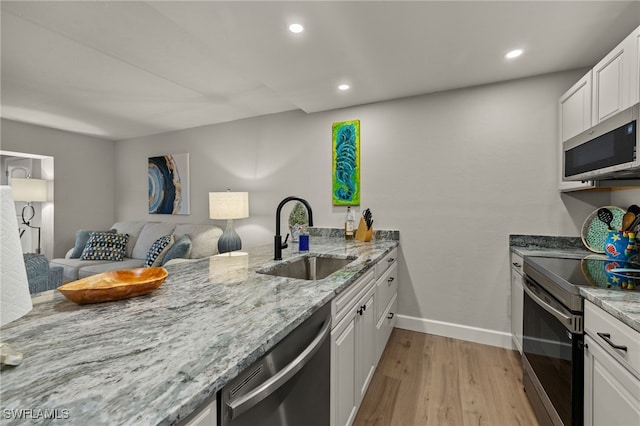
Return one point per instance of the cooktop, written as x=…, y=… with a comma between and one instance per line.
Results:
x=563, y=277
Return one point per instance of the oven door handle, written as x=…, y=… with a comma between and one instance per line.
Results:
x=567, y=320
x=265, y=389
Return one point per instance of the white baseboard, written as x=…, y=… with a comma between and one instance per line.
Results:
x=456, y=331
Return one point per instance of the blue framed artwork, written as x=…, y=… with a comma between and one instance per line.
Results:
x=168, y=177
x=346, y=163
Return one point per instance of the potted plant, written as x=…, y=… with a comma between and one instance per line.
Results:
x=298, y=221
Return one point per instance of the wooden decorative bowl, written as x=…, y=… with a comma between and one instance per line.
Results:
x=114, y=285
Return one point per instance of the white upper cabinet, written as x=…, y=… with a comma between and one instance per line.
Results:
x=575, y=109
x=615, y=80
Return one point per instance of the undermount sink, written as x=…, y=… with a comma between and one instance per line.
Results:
x=309, y=267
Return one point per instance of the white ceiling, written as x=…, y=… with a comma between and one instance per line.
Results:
x=123, y=69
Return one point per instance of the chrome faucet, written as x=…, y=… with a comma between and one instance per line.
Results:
x=278, y=245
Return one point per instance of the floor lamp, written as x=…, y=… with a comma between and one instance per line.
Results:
x=29, y=190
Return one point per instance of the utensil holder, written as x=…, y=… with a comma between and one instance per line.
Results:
x=362, y=233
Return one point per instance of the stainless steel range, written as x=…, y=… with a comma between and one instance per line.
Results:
x=553, y=336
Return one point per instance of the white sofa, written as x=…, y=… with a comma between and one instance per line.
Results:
x=204, y=243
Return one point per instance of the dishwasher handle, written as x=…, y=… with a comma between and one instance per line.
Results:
x=260, y=392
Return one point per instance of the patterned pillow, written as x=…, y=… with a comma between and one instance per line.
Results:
x=181, y=249
x=157, y=251
x=105, y=246
x=82, y=236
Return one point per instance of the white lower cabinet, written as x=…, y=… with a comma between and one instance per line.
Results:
x=363, y=317
x=611, y=378
x=205, y=416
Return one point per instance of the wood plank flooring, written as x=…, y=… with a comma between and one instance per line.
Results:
x=423, y=379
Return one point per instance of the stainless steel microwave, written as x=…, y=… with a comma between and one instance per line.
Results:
x=608, y=150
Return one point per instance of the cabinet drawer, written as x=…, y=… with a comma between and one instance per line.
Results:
x=386, y=262
x=516, y=262
x=385, y=326
x=597, y=321
x=386, y=287
x=342, y=303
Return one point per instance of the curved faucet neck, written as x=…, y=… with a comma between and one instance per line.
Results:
x=285, y=201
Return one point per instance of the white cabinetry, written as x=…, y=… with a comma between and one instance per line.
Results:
x=610, y=87
x=517, y=300
x=352, y=348
x=386, y=299
x=204, y=417
x=611, y=370
x=362, y=319
x=615, y=84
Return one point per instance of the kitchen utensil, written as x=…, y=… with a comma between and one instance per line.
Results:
x=627, y=221
x=605, y=215
x=594, y=232
x=367, y=218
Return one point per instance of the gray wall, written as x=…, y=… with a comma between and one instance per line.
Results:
x=455, y=172
x=84, y=166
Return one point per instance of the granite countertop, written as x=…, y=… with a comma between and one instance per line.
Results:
x=155, y=359
x=624, y=305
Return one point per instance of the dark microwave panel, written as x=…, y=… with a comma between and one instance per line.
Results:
x=608, y=150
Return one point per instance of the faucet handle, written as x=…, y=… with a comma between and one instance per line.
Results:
x=284, y=244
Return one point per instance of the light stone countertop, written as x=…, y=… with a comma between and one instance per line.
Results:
x=624, y=305
x=154, y=359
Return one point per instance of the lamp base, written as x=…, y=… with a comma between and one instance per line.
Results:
x=229, y=240
x=9, y=356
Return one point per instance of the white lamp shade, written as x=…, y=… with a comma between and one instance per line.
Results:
x=15, y=300
x=29, y=189
x=228, y=205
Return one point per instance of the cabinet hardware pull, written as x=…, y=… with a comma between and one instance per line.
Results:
x=607, y=338
x=363, y=307
x=516, y=264
x=390, y=280
x=390, y=316
x=360, y=311
x=391, y=259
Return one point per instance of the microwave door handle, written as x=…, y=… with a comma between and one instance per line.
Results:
x=265, y=389
x=568, y=321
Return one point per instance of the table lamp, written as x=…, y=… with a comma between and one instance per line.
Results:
x=29, y=190
x=15, y=300
x=229, y=205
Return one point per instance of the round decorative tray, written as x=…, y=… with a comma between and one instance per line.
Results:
x=594, y=231
x=114, y=285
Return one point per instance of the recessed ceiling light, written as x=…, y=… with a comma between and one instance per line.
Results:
x=296, y=28
x=513, y=54
x=344, y=87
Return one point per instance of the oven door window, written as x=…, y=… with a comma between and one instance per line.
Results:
x=548, y=346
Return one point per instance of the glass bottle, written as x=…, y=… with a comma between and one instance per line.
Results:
x=349, y=222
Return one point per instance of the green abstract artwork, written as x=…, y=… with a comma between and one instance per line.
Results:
x=346, y=163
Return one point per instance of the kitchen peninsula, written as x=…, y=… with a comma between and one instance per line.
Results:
x=155, y=359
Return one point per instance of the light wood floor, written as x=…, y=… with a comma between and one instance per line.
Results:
x=423, y=379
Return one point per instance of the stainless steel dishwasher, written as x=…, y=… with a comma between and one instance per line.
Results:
x=288, y=386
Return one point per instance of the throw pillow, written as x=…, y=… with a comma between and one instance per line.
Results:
x=82, y=236
x=158, y=249
x=181, y=249
x=105, y=246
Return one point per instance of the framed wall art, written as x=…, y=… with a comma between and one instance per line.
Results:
x=346, y=163
x=168, y=177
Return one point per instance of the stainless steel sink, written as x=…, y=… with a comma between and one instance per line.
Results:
x=309, y=267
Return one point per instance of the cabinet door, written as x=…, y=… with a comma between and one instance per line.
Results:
x=634, y=45
x=575, y=109
x=611, y=392
x=517, y=302
x=205, y=417
x=615, y=80
x=365, y=344
x=343, y=355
